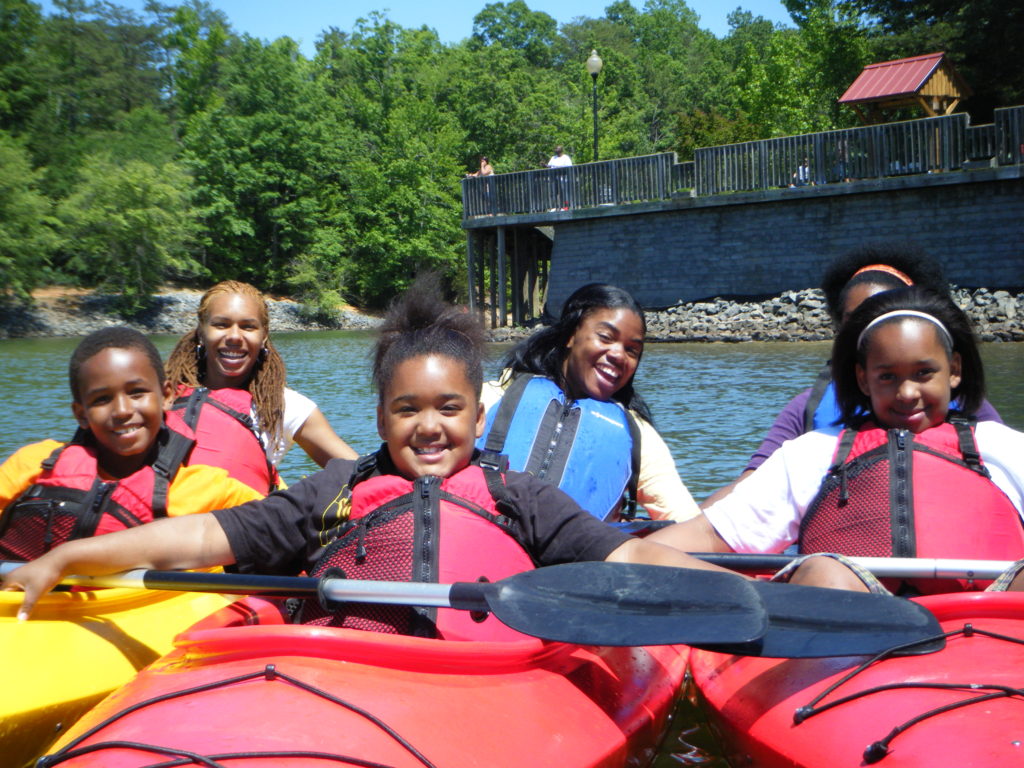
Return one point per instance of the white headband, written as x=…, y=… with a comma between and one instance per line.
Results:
x=906, y=313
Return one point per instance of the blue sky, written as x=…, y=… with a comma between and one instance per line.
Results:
x=303, y=20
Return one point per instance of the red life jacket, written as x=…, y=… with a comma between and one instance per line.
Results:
x=429, y=530
x=891, y=493
x=227, y=435
x=70, y=501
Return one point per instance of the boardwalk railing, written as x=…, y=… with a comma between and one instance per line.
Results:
x=929, y=145
x=610, y=182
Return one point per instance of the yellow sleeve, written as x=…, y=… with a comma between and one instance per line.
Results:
x=202, y=488
x=22, y=469
x=660, y=490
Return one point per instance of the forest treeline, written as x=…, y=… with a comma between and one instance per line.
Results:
x=140, y=148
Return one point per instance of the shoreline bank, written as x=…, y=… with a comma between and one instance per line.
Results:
x=800, y=316
x=791, y=316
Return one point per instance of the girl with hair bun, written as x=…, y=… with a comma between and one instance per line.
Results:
x=912, y=474
x=230, y=382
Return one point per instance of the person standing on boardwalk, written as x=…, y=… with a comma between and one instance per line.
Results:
x=483, y=170
x=560, y=160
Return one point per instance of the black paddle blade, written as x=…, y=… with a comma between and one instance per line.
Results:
x=814, y=622
x=625, y=604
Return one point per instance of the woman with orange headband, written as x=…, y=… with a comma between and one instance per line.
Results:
x=848, y=281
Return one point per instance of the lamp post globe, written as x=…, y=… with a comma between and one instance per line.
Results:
x=594, y=65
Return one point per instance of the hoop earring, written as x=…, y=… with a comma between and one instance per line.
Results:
x=200, y=352
x=262, y=355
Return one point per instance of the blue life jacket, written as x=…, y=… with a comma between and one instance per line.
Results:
x=588, y=448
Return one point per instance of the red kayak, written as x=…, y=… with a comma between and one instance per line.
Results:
x=962, y=706
x=244, y=688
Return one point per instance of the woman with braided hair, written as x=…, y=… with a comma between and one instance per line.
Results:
x=226, y=372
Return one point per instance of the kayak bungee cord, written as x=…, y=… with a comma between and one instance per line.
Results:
x=877, y=750
x=213, y=761
x=270, y=673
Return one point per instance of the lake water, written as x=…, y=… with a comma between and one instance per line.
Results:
x=711, y=402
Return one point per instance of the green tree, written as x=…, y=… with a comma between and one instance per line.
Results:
x=20, y=21
x=127, y=228
x=262, y=156
x=509, y=110
x=94, y=63
x=399, y=210
x=773, y=88
x=27, y=238
x=837, y=48
x=513, y=25
x=709, y=129
x=197, y=39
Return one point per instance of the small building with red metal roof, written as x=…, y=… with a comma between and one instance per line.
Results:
x=929, y=82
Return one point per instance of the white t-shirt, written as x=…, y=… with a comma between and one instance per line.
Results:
x=560, y=161
x=297, y=409
x=764, y=511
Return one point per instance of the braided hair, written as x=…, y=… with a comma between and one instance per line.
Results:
x=186, y=366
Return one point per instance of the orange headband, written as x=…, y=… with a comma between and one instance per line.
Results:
x=883, y=268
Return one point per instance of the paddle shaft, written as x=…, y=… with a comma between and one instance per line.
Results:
x=883, y=567
x=350, y=590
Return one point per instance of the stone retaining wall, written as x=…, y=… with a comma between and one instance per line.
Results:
x=762, y=244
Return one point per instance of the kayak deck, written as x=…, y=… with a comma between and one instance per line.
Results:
x=962, y=706
x=78, y=647
x=266, y=692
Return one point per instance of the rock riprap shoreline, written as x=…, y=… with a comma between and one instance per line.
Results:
x=997, y=315
x=802, y=316
x=173, y=312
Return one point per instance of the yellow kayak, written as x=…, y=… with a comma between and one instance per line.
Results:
x=77, y=648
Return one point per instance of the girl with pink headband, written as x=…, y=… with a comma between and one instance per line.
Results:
x=847, y=282
x=911, y=475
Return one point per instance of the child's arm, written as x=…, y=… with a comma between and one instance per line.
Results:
x=194, y=541
x=652, y=553
x=696, y=535
x=669, y=546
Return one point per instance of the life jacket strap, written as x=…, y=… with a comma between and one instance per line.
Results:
x=507, y=406
x=817, y=393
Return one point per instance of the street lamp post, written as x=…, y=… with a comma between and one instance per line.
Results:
x=594, y=65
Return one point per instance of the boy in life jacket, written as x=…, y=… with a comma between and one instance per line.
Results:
x=125, y=465
x=437, y=512
x=911, y=478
